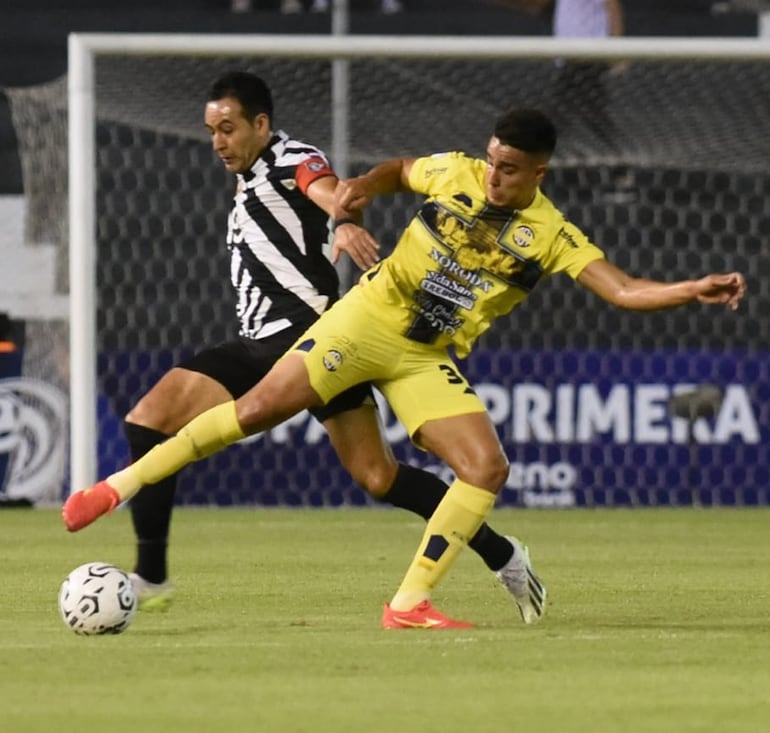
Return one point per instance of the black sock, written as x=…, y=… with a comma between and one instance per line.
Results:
x=421, y=491
x=150, y=509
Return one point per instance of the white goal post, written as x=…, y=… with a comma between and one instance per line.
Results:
x=85, y=48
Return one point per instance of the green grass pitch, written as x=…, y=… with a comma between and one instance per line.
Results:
x=659, y=621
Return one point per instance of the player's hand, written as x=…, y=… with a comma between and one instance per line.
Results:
x=360, y=246
x=352, y=194
x=727, y=289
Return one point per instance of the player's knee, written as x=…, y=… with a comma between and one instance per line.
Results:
x=375, y=478
x=144, y=413
x=485, y=471
x=500, y=473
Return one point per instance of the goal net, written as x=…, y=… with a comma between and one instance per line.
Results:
x=662, y=159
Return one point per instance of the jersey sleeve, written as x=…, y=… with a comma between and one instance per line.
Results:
x=311, y=169
x=429, y=174
x=573, y=250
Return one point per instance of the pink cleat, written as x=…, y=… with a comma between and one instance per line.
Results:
x=86, y=506
x=422, y=616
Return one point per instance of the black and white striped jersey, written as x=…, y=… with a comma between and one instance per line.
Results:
x=277, y=239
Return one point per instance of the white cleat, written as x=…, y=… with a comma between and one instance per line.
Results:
x=520, y=581
x=152, y=596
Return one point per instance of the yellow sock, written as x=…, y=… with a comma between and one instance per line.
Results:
x=201, y=437
x=456, y=519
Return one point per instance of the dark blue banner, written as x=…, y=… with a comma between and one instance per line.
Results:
x=580, y=428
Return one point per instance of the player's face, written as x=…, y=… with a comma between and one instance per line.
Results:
x=235, y=139
x=512, y=175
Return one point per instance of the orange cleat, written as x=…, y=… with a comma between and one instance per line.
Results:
x=86, y=506
x=422, y=616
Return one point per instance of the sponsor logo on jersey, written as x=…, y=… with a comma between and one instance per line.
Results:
x=450, y=266
x=564, y=234
x=447, y=289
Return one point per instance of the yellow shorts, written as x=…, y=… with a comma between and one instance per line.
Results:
x=349, y=345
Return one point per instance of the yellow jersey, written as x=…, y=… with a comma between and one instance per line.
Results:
x=462, y=262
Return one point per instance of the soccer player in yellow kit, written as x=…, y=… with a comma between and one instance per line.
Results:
x=483, y=239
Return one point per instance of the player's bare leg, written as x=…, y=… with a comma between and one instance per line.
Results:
x=481, y=468
x=358, y=438
x=481, y=462
x=284, y=392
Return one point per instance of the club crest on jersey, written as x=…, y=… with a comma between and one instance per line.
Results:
x=523, y=236
x=332, y=360
x=289, y=184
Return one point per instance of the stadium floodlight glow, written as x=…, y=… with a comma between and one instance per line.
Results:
x=85, y=48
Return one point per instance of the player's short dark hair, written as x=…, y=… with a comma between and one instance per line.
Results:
x=249, y=89
x=528, y=130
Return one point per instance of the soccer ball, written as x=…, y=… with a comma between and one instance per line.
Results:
x=97, y=598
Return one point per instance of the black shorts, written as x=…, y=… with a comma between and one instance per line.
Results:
x=239, y=365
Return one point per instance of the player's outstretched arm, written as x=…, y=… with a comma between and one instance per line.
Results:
x=633, y=293
x=354, y=194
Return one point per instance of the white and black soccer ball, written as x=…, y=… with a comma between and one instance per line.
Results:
x=97, y=598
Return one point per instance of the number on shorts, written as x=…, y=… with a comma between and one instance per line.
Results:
x=454, y=377
x=451, y=374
